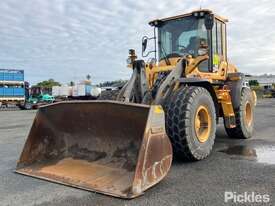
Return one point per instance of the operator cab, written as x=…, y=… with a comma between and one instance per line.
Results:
x=196, y=33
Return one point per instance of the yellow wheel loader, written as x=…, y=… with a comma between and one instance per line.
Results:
x=170, y=105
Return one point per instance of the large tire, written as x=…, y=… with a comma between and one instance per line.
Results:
x=244, y=117
x=191, y=122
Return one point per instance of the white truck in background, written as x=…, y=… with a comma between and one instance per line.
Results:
x=79, y=91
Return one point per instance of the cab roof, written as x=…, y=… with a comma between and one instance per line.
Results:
x=188, y=14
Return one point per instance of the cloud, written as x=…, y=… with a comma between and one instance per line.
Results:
x=66, y=40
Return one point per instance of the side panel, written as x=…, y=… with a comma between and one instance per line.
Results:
x=12, y=92
x=18, y=91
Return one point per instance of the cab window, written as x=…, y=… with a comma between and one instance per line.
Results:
x=217, y=43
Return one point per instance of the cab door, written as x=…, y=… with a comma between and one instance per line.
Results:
x=219, y=57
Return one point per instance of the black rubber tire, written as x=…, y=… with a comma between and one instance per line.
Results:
x=28, y=106
x=242, y=130
x=180, y=111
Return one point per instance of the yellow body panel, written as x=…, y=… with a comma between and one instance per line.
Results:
x=220, y=74
x=191, y=70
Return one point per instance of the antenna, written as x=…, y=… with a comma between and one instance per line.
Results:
x=201, y=1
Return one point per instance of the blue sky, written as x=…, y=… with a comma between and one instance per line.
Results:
x=67, y=39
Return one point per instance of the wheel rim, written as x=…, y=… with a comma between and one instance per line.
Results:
x=248, y=116
x=202, y=124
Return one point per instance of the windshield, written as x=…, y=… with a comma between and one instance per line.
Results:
x=181, y=36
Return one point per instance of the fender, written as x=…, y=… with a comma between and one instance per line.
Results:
x=235, y=84
x=205, y=84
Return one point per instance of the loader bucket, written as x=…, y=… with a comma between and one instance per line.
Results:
x=119, y=149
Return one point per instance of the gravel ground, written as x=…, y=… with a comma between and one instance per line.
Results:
x=235, y=165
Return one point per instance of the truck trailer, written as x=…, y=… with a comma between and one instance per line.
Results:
x=12, y=88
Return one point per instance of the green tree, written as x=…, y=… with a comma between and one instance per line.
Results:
x=71, y=83
x=116, y=83
x=48, y=83
x=253, y=83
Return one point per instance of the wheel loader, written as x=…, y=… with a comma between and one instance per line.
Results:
x=169, y=107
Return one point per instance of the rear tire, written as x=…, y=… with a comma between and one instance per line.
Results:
x=191, y=122
x=244, y=117
x=28, y=106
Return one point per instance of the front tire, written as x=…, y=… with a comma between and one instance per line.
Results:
x=244, y=117
x=191, y=122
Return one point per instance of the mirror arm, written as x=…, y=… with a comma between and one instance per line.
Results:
x=146, y=55
x=155, y=44
x=155, y=51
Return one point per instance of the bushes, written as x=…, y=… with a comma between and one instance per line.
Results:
x=259, y=91
x=253, y=83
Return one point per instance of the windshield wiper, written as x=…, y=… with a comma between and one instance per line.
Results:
x=166, y=59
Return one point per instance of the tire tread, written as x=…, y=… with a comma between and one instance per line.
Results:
x=178, y=115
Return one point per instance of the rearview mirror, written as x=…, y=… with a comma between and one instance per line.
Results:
x=144, y=43
x=145, y=40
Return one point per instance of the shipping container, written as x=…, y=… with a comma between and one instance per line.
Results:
x=12, y=88
x=1, y=91
x=87, y=90
x=79, y=90
x=65, y=91
x=55, y=91
x=83, y=90
x=74, y=91
x=11, y=75
x=18, y=91
x=11, y=92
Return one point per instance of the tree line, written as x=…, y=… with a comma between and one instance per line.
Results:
x=51, y=82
